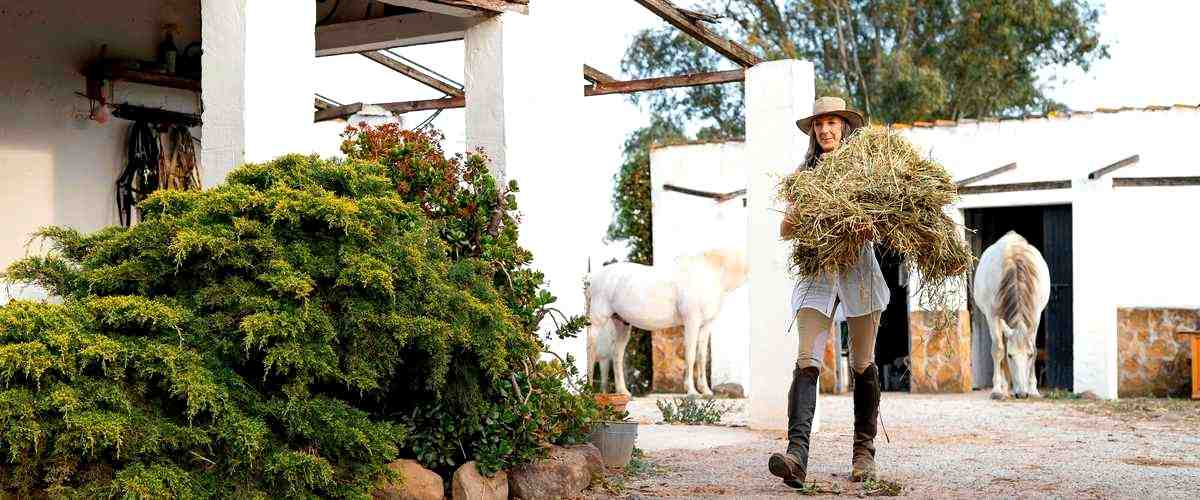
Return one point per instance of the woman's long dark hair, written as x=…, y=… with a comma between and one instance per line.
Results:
x=814, y=149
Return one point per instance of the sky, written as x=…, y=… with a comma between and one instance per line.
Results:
x=1151, y=63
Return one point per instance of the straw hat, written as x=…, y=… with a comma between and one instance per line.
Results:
x=830, y=106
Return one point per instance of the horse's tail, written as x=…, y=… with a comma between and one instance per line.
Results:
x=1016, y=297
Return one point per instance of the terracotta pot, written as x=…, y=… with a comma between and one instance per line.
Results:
x=617, y=401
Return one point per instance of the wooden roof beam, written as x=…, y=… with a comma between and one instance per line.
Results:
x=616, y=87
x=987, y=175
x=389, y=32
x=1019, y=186
x=1114, y=167
x=1156, y=181
x=413, y=73
x=337, y=112
x=677, y=18
x=596, y=76
x=668, y=82
x=462, y=8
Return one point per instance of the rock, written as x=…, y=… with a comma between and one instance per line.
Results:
x=419, y=483
x=1089, y=395
x=730, y=390
x=563, y=474
x=592, y=457
x=667, y=358
x=469, y=484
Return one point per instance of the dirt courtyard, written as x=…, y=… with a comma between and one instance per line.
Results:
x=941, y=446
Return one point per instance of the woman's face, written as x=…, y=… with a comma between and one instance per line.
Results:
x=828, y=130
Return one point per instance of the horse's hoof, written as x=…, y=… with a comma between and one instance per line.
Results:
x=999, y=396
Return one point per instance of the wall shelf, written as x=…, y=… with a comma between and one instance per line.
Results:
x=111, y=71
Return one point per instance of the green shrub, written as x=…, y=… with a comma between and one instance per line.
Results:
x=693, y=410
x=288, y=333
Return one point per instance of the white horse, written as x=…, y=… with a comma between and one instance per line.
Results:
x=689, y=293
x=1012, y=286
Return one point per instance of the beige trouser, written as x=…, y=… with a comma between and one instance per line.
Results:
x=814, y=329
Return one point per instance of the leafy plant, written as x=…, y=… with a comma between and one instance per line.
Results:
x=287, y=333
x=693, y=410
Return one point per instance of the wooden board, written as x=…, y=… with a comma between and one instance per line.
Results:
x=1195, y=341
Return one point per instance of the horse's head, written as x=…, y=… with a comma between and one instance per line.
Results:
x=1021, y=351
x=731, y=263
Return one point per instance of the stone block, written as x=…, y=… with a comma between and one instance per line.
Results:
x=667, y=357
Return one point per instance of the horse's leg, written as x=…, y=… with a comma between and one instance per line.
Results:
x=604, y=363
x=999, y=362
x=702, y=352
x=620, y=340
x=691, y=337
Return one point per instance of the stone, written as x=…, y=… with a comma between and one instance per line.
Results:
x=667, y=357
x=1089, y=395
x=418, y=483
x=729, y=390
x=592, y=457
x=563, y=474
x=468, y=483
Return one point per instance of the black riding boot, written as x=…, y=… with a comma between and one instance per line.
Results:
x=792, y=465
x=866, y=422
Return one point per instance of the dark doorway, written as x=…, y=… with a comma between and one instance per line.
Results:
x=892, y=343
x=1047, y=228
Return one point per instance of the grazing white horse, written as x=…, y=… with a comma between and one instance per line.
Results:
x=688, y=293
x=1012, y=286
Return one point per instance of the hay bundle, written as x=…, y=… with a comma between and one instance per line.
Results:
x=876, y=187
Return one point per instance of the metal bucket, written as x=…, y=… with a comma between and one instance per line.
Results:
x=615, y=441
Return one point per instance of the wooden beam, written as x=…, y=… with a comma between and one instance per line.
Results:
x=596, y=76
x=424, y=105
x=444, y=8
x=671, y=14
x=1115, y=166
x=720, y=197
x=987, y=175
x=700, y=16
x=337, y=112
x=618, y=87
x=1155, y=181
x=388, y=32
x=1020, y=186
x=413, y=73
x=668, y=82
x=319, y=104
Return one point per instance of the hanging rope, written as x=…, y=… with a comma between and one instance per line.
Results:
x=140, y=176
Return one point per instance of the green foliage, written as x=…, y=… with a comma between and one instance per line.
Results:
x=693, y=410
x=896, y=60
x=287, y=333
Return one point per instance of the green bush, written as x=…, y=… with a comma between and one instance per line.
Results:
x=693, y=410
x=288, y=333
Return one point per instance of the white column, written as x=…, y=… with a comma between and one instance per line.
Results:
x=524, y=97
x=257, y=83
x=777, y=93
x=1095, y=307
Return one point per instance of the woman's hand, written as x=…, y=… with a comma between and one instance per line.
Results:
x=786, y=229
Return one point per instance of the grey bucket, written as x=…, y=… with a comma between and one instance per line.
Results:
x=615, y=441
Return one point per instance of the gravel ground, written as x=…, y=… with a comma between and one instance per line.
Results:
x=941, y=446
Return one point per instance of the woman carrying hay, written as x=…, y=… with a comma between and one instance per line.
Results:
x=863, y=295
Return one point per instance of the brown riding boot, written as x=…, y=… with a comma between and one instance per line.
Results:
x=792, y=465
x=866, y=422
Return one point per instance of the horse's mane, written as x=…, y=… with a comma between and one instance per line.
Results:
x=1018, y=286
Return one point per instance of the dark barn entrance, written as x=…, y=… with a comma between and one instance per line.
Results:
x=1047, y=228
x=892, y=344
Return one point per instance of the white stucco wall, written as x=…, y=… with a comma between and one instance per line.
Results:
x=687, y=225
x=56, y=166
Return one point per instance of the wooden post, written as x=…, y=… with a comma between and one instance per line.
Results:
x=1195, y=338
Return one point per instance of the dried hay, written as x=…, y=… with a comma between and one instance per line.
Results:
x=878, y=188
